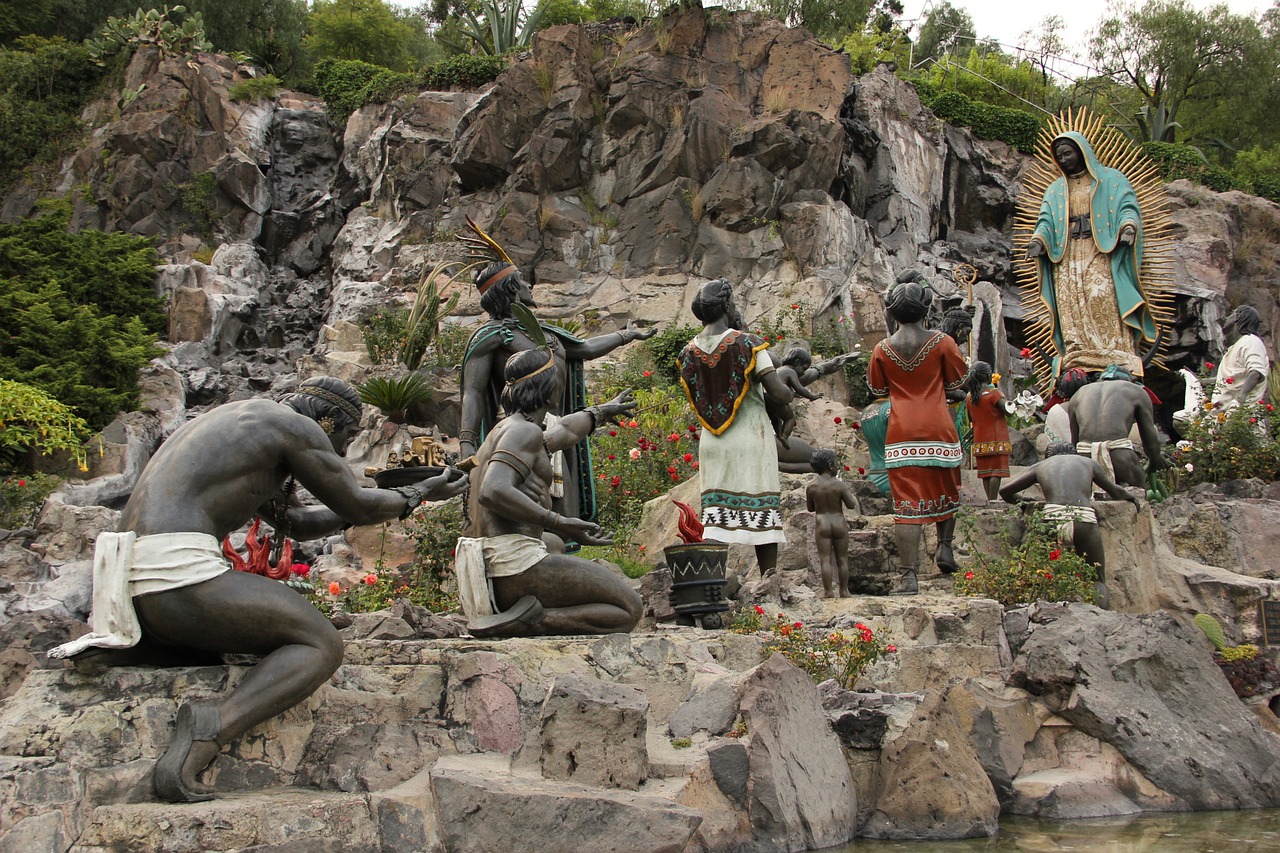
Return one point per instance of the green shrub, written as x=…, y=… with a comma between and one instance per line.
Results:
x=21, y=498
x=255, y=89
x=1036, y=569
x=44, y=85
x=78, y=313
x=1220, y=446
x=825, y=654
x=1016, y=127
x=197, y=199
x=665, y=347
x=1212, y=630
x=1177, y=161
x=150, y=28
x=463, y=71
x=394, y=397
x=32, y=420
x=348, y=84
x=385, y=334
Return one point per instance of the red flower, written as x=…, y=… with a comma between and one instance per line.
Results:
x=675, y=478
x=671, y=469
x=891, y=648
x=846, y=467
x=675, y=436
x=613, y=432
x=795, y=307
x=1208, y=365
x=648, y=373
x=1253, y=420
x=758, y=609
x=688, y=457
x=797, y=625
x=858, y=626
x=693, y=428
x=839, y=419
x=1055, y=554
x=300, y=569
x=21, y=483
x=862, y=470
x=632, y=424
x=1229, y=380
x=615, y=482
x=1270, y=408
x=695, y=465
x=610, y=457
x=1026, y=352
x=968, y=576
x=856, y=425
x=370, y=579
x=1048, y=576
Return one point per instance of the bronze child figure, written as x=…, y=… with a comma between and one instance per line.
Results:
x=827, y=498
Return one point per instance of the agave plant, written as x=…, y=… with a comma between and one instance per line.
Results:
x=501, y=26
x=423, y=324
x=394, y=397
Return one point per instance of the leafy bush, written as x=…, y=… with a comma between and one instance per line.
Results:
x=21, y=498
x=32, y=420
x=1016, y=127
x=1036, y=569
x=820, y=653
x=385, y=334
x=255, y=89
x=78, y=314
x=44, y=84
x=464, y=71
x=1220, y=446
x=394, y=397
x=665, y=347
x=348, y=84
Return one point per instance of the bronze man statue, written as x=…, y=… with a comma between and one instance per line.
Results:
x=506, y=565
x=1101, y=415
x=493, y=343
x=210, y=477
x=1067, y=481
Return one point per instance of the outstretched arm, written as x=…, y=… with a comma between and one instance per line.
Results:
x=600, y=345
x=571, y=429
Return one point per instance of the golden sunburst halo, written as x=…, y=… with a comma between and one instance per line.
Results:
x=1155, y=277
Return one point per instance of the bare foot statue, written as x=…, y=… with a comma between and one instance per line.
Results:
x=162, y=580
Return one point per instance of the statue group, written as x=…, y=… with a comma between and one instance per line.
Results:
x=164, y=593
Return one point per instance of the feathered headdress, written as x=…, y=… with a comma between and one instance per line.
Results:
x=482, y=247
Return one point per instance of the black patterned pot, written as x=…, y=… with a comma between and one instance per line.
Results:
x=697, y=582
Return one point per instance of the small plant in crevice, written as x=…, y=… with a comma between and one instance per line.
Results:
x=395, y=396
x=1036, y=568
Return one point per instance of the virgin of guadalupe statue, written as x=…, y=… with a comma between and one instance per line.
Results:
x=1089, y=237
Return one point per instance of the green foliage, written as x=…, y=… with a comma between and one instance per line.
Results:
x=21, y=498
x=630, y=558
x=1016, y=127
x=364, y=30
x=1212, y=630
x=394, y=397
x=822, y=654
x=78, y=314
x=465, y=71
x=197, y=199
x=348, y=84
x=1220, y=446
x=32, y=420
x=827, y=19
x=255, y=89
x=385, y=334
x=422, y=324
x=642, y=458
x=664, y=349
x=1245, y=651
x=44, y=84
x=435, y=529
x=869, y=47
x=946, y=29
x=1259, y=169
x=1038, y=568
x=150, y=28
x=496, y=26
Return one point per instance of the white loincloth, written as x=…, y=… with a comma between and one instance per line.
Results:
x=557, y=460
x=125, y=565
x=479, y=559
x=1068, y=515
x=1100, y=452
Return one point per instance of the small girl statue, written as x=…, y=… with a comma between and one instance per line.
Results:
x=988, y=412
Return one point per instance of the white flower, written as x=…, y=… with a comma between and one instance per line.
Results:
x=1028, y=403
x=1184, y=445
x=1189, y=467
x=635, y=454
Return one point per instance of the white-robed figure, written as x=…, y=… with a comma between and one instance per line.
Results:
x=726, y=374
x=1243, y=369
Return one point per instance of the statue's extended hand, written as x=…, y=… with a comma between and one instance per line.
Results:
x=1034, y=250
x=583, y=532
x=443, y=486
x=1128, y=234
x=636, y=333
x=623, y=404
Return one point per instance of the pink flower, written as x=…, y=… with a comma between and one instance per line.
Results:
x=370, y=579
x=300, y=569
x=675, y=436
x=1025, y=353
x=634, y=454
x=891, y=648
x=695, y=465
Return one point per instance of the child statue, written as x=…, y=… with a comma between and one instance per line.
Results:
x=827, y=497
x=988, y=412
x=797, y=371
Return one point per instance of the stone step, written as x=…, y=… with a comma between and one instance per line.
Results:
x=280, y=819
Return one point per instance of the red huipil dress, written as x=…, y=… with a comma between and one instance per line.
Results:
x=922, y=449
x=991, y=447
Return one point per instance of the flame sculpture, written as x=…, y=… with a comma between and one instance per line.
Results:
x=689, y=528
x=259, y=555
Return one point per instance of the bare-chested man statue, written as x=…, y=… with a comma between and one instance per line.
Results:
x=1102, y=414
x=162, y=580
x=507, y=565
x=1067, y=480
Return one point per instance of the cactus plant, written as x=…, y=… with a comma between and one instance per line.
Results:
x=1212, y=630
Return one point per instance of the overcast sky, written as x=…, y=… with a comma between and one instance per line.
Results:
x=1006, y=20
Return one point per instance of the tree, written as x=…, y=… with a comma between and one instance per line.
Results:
x=830, y=20
x=367, y=30
x=1174, y=54
x=946, y=29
